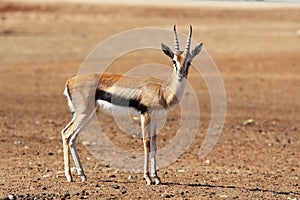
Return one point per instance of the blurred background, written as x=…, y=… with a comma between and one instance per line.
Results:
x=256, y=46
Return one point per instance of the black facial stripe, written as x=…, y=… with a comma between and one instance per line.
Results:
x=186, y=65
x=120, y=101
x=175, y=64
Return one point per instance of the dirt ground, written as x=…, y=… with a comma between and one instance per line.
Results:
x=257, y=50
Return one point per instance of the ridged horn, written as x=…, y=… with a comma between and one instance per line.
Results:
x=176, y=43
x=188, y=41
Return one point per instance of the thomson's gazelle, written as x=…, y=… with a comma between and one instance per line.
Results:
x=86, y=93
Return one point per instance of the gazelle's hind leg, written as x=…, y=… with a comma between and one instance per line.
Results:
x=82, y=106
x=69, y=135
x=65, y=133
x=72, y=143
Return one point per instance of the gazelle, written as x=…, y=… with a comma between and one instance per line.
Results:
x=86, y=93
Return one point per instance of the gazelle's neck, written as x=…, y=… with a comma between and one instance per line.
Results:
x=173, y=89
x=177, y=86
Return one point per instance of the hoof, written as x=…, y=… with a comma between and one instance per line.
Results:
x=157, y=181
x=83, y=178
x=69, y=178
x=148, y=180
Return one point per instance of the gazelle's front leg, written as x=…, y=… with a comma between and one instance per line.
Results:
x=153, y=151
x=145, y=133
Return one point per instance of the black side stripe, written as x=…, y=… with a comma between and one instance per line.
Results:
x=120, y=101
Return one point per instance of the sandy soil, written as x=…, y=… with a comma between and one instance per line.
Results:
x=256, y=50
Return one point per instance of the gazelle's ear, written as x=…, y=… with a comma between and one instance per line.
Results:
x=167, y=50
x=197, y=50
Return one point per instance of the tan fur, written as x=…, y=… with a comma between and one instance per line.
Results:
x=151, y=91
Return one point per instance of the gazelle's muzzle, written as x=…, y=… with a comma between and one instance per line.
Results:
x=180, y=77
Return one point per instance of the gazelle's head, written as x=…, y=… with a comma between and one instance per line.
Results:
x=181, y=59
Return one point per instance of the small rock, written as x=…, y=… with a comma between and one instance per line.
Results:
x=129, y=177
x=294, y=128
x=26, y=147
x=181, y=171
x=11, y=196
x=47, y=175
x=60, y=176
x=207, y=162
x=112, y=176
x=262, y=132
x=20, y=196
x=292, y=198
x=50, y=153
x=116, y=187
x=168, y=195
x=86, y=143
x=76, y=193
x=249, y=122
x=212, y=193
x=83, y=192
x=17, y=142
x=223, y=196
x=231, y=172
x=66, y=196
x=124, y=191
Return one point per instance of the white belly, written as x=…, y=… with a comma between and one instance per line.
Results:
x=111, y=109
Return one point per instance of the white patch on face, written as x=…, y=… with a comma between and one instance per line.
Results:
x=179, y=76
x=177, y=62
x=112, y=109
